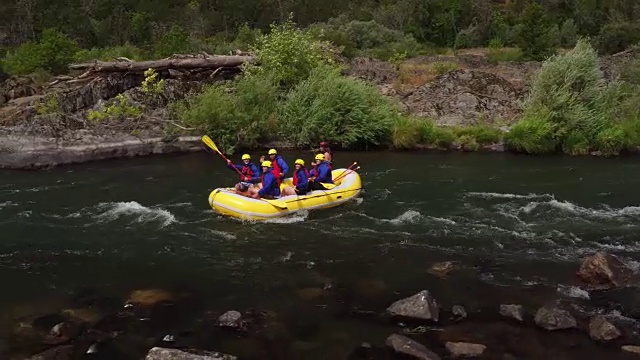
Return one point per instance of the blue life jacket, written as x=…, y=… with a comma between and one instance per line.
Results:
x=270, y=184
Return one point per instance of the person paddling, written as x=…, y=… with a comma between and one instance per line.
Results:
x=250, y=173
x=270, y=185
x=300, y=180
x=321, y=173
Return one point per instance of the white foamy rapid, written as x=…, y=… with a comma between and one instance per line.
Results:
x=142, y=214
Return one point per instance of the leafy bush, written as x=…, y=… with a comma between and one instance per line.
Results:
x=287, y=54
x=238, y=118
x=572, y=108
x=328, y=105
x=467, y=38
x=53, y=52
x=443, y=67
x=569, y=91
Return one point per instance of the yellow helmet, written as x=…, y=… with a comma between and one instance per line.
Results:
x=266, y=164
x=300, y=161
x=246, y=157
x=320, y=157
x=272, y=151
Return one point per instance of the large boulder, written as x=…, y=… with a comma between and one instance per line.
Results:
x=605, y=271
x=552, y=317
x=601, y=329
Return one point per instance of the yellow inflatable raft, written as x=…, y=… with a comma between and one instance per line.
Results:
x=226, y=202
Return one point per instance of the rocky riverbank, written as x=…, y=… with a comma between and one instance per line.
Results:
x=38, y=129
x=327, y=319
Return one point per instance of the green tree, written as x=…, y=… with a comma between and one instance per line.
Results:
x=53, y=52
x=175, y=41
x=533, y=36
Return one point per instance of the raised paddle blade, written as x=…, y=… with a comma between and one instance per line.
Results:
x=277, y=203
x=207, y=140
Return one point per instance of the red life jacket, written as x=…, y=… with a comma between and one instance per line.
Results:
x=246, y=172
x=276, y=169
x=295, y=176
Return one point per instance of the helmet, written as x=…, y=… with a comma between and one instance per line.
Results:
x=300, y=161
x=323, y=143
x=320, y=157
x=246, y=157
x=272, y=151
x=266, y=164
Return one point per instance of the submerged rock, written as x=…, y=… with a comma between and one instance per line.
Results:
x=601, y=329
x=512, y=311
x=605, y=271
x=404, y=345
x=158, y=353
x=421, y=306
x=464, y=349
x=150, y=297
x=634, y=349
x=442, y=269
x=459, y=312
x=56, y=353
x=232, y=319
x=551, y=317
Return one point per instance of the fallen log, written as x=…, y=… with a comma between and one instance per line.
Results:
x=212, y=62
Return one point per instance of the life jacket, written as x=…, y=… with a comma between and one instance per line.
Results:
x=246, y=171
x=276, y=169
x=295, y=175
x=277, y=181
x=315, y=171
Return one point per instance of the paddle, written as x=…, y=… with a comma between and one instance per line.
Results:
x=352, y=165
x=346, y=173
x=207, y=140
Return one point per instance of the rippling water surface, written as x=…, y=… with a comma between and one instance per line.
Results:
x=512, y=222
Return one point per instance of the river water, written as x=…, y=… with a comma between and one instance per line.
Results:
x=516, y=227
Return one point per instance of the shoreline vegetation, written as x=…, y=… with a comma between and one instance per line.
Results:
x=302, y=89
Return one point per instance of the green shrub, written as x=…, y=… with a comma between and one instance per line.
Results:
x=110, y=53
x=406, y=133
x=428, y=128
x=443, y=67
x=53, y=52
x=174, y=41
x=467, y=38
x=617, y=36
x=235, y=119
x=330, y=106
x=443, y=137
x=287, y=54
x=575, y=143
x=468, y=143
x=532, y=135
x=568, y=34
x=613, y=140
x=481, y=133
x=496, y=55
x=533, y=32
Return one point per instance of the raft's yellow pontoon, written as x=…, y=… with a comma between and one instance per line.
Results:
x=226, y=202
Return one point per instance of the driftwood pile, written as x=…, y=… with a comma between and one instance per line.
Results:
x=192, y=67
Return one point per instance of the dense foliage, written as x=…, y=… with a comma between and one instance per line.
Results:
x=47, y=34
x=572, y=109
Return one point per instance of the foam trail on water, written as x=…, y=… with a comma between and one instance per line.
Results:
x=113, y=211
x=489, y=195
x=407, y=217
x=297, y=217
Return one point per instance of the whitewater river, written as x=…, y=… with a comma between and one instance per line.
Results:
x=516, y=227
